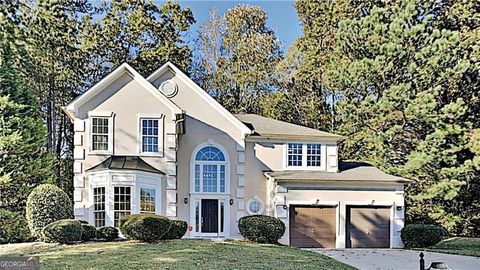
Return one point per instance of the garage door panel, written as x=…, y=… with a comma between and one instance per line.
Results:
x=312, y=226
x=368, y=227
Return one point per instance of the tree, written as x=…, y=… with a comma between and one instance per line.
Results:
x=237, y=56
x=408, y=103
x=138, y=32
x=24, y=163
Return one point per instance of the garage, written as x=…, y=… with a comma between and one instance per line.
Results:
x=368, y=227
x=312, y=226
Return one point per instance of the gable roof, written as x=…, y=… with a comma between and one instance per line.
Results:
x=71, y=109
x=125, y=163
x=202, y=93
x=348, y=172
x=268, y=128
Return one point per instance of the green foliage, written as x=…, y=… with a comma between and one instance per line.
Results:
x=422, y=235
x=47, y=203
x=144, y=227
x=89, y=232
x=13, y=227
x=236, y=55
x=177, y=230
x=108, y=233
x=64, y=231
x=403, y=76
x=261, y=229
x=141, y=33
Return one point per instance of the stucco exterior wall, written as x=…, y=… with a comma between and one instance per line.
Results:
x=125, y=101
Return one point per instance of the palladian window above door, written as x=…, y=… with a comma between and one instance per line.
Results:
x=210, y=168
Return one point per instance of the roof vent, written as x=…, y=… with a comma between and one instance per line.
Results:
x=169, y=88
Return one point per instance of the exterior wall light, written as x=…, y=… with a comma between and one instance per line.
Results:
x=231, y=201
x=399, y=208
x=185, y=200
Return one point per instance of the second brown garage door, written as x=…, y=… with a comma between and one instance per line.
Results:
x=368, y=227
x=312, y=226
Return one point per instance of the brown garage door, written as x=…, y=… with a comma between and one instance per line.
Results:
x=368, y=227
x=312, y=226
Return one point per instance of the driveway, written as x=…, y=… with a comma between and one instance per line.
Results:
x=397, y=259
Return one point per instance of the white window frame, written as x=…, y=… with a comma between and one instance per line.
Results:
x=140, y=200
x=226, y=163
x=255, y=199
x=161, y=134
x=110, y=117
x=120, y=178
x=323, y=157
x=104, y=205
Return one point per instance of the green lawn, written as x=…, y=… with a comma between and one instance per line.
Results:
x=459, y=245
x=178, y=254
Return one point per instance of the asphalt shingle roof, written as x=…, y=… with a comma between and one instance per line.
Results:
x=265, y=127
x=348, y=171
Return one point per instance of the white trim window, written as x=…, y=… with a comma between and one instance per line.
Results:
x=122, y=203
x=304, y=156
x=100, y=134
x=210, y=170
x=151, y=135
x=255, y=206
x=99, y=206
x=294, y=155
x=314, y=155
x=147, y=201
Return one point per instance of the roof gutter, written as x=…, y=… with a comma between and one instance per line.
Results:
x=69, y=114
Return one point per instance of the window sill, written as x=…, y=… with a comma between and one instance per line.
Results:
x=100, y=153
x=152, y=154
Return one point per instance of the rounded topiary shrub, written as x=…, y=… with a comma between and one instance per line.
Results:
x=144, y=227
x=13, y=227
x=62, y=231
x=89, y=232
x=177, y=230
x=422, y=235
x=46, y=204
x=261, y=229
x=108, y=233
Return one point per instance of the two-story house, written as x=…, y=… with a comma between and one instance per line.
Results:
x=163, y=145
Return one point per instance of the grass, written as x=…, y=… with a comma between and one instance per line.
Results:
x=177, y=254
x=458, y=245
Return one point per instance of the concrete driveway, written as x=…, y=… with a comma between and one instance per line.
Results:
x=397, y=259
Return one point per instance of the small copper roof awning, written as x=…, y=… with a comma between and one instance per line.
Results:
x=125, y=163
x=358, y=172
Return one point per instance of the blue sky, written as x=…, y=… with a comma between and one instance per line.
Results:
x=282, y=16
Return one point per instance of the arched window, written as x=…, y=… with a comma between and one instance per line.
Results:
x=210, y=170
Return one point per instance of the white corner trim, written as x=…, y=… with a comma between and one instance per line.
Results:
x=202, y=93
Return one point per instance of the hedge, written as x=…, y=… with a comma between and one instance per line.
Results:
x=62, y=231
x=45, y=204
x=108, y=233
x=144, y=227
x=177, y=230
x=422, y=235
x=89, y=232
x=13, y=227
x=261, y=229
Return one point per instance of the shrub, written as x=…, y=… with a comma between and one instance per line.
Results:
x=422, y=235
x=148, y=228
x=177, y=230
x=261, y=229
x=62, y=231
x=46, y=204
x=89, y=232
x=108, y=233
x=13, y=227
